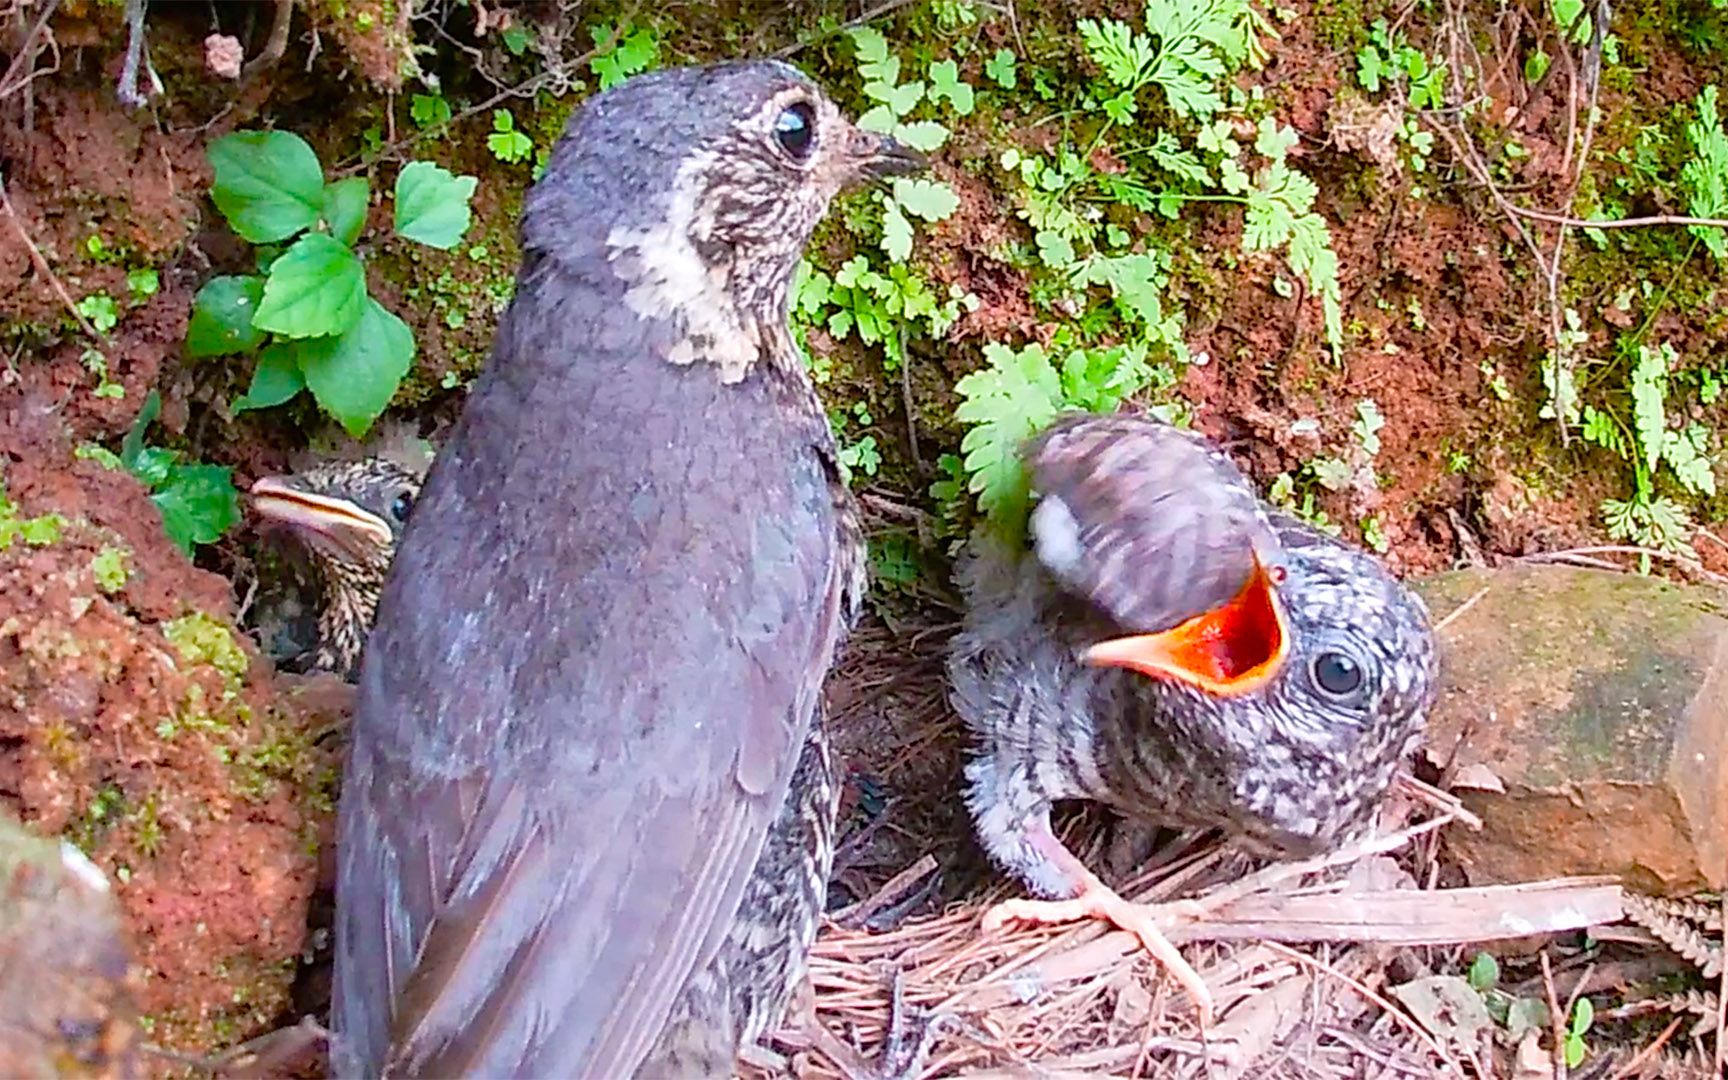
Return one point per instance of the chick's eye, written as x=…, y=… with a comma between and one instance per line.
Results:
x=795, y=130
x=1337, y=674
x=399, y=509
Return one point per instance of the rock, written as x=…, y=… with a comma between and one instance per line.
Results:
x=1589, y=715
x=66, y=977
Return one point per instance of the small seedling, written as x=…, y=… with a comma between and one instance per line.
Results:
x=507, y=143
x=622, y=53
x=198, y=503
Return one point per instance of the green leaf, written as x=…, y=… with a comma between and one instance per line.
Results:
x=153, y=464
x=925, y=135
x=1004, y=405
x=945, y=82
x=1536, y=66
x=1705, y=177
x=1484, y=972
x=1000, y=69
x=108, y=567
x=1649, y=386
x=101, y=310
x=931, y=200
x=1274, y=140
x=1125, y=56
x=198, y=504
x=871, y=47
x=345, y=208
x=133, y=444
x=429, y=110
x=222, y=317
x=506, y=143
x=275, y=380
x=1054, y=249
x=355, y=375
x=631, y=54
x=904, y=98
x=432, y=204
x=268, y=184
x=896, y=233
x=315, y=289
x=143, y=282
x=516, y=38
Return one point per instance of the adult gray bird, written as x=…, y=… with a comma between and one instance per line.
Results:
x=1176, y=650
x=566, y=841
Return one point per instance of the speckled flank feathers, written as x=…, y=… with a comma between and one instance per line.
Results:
x=1289, y=768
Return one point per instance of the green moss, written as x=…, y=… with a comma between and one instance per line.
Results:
x=109, y=568
x=203, y=640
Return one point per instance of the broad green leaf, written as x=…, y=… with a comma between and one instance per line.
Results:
x=345, y=208
x=1054, y=249
x=153, y=464
x=315, y=289
x=1274, y=140
x=222, y=316
x=1000, y=68
x=355, y=375
x=432, y=204
x=198, y=504
x=268, y=184
x=275, y=380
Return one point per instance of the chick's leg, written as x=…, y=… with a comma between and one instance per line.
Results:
x=1086, y=897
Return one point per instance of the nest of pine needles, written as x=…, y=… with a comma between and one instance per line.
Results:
x=1348, y=965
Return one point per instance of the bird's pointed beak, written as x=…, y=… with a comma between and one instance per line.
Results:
x=1229, y=651
x=321, y=515
x=885, y=156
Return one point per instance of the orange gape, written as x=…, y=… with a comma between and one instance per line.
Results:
x=1230, y=650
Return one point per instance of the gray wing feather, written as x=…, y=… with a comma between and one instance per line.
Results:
x=1150, y=523
x=566, y=761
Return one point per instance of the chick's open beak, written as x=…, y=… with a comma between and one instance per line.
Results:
x=1231, y=650
x=890, y=157
x=334, y=519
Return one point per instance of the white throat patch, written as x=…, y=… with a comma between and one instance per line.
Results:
x=668, y=279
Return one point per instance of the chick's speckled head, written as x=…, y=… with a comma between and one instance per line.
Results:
x=696, y=177
x=347, y=513
x=1319, y=742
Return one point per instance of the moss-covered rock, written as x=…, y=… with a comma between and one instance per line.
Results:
x=1588, y=712
x=136, y=724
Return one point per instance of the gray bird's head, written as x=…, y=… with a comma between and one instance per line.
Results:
x=700, y=187
x=349, y=516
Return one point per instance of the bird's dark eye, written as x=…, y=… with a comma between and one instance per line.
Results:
x=404, y=503
x=1337, y=674
x=795, y=130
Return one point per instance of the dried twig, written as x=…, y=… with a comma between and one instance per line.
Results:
x=42, y=266
x=1556, y=1022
